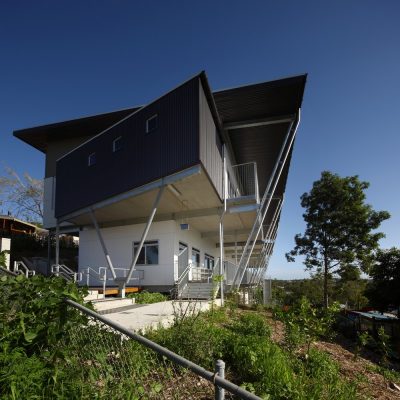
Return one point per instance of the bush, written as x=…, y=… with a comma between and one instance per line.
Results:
x=145, y=297
x=253, y=324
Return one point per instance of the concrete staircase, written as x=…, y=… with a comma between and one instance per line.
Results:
x=197, y=290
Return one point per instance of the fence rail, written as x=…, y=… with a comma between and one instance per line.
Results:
x=156, y=371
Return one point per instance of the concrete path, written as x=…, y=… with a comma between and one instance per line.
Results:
x=151, y=316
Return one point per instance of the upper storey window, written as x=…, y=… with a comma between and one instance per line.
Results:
x=91, y=159
x=117, y=144
x=152, y=123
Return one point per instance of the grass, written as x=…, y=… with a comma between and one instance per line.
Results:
x=242, y=340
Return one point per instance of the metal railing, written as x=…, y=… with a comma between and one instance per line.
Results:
x=116, y=359
x=199, y=274
x=242, y=180
x=21, y=269
x=65, y=272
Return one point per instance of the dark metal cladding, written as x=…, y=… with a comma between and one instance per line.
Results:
x=261, y=100
x=143, y=157
x=210, y=144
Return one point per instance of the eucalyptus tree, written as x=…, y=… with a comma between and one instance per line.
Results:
x=340, y=234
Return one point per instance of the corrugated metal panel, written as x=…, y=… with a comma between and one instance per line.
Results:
x=262, y=100
x=210, y=152
x=173, y=146
x=261, y=144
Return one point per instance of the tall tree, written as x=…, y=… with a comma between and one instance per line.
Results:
x=384, y=290
x=22, y=196
x=339, y=234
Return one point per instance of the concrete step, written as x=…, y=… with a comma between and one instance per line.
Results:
x=110, y=306
x=93, y=295
x=197, y=290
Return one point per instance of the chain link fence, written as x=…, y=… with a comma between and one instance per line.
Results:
x=124, y=365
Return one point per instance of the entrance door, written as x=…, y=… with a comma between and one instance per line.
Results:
x=183, y=258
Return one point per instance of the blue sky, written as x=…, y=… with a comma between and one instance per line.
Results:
x=66, y=59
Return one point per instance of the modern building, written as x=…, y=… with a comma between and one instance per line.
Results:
x=161, y=193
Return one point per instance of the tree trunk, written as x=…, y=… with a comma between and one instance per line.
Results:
x=326, y=269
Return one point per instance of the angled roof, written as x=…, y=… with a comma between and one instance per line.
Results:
x=274, y=98
x=39, y=136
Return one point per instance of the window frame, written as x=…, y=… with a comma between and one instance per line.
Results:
x=115, y=141
x=146, y=244
x=153, y=117
x=91, y=159
x=195, y=264
x=207, y=258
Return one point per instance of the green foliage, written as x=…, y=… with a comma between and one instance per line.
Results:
x=383, y=345
x=251, y=324
x=3, y=258
x=339, y=233
x=384, y=291
x=242, y=340
x=305, y=323
x=145, y=297
x=363, y=338
x=32, y=324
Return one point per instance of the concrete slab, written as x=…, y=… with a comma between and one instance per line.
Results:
x=152, y=316
x=110, y=304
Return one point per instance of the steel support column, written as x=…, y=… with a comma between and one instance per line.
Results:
x=103, y=245
x=266, y=200
x=57, y=243
x=144, y=235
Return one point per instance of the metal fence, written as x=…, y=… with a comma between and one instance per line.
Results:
x=123, y=364
x=242, y=180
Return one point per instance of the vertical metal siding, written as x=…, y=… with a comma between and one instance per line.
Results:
x=172, y=147
x=210, y=154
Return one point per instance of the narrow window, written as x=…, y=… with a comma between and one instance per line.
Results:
x=149, y=253
x=195, y=258
x=152, y=123
x=209, y=261
x=91, y=159
x=117, y=144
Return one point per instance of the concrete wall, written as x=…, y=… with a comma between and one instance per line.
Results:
x=119, y=241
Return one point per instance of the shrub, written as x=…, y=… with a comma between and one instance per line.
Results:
x=251, y=323
x=145, y=297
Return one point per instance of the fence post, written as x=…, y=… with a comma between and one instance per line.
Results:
x=220, y=371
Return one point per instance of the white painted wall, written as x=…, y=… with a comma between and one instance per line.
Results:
x=119, y=242
x=193, y=238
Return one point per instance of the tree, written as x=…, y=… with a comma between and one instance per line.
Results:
x=22, y=197
x=339, y=234
x=384, y=290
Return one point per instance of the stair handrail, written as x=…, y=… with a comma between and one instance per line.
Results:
x=21, y=269
x=175, y=291
x=100, y=274
x=66, y=273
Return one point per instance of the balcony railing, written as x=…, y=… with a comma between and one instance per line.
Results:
x=242, y=181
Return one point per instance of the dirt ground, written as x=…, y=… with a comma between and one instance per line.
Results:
x=371, y=384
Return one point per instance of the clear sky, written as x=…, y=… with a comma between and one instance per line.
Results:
x=66, y=59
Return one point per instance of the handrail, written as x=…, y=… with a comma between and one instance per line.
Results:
x=25, y=270
x=100, y=274
x=175, y=358
x=66, y=272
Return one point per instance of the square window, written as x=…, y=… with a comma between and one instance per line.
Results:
x=152, y=123
x=91, y=159
x=117, y=144
x=149, y=253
